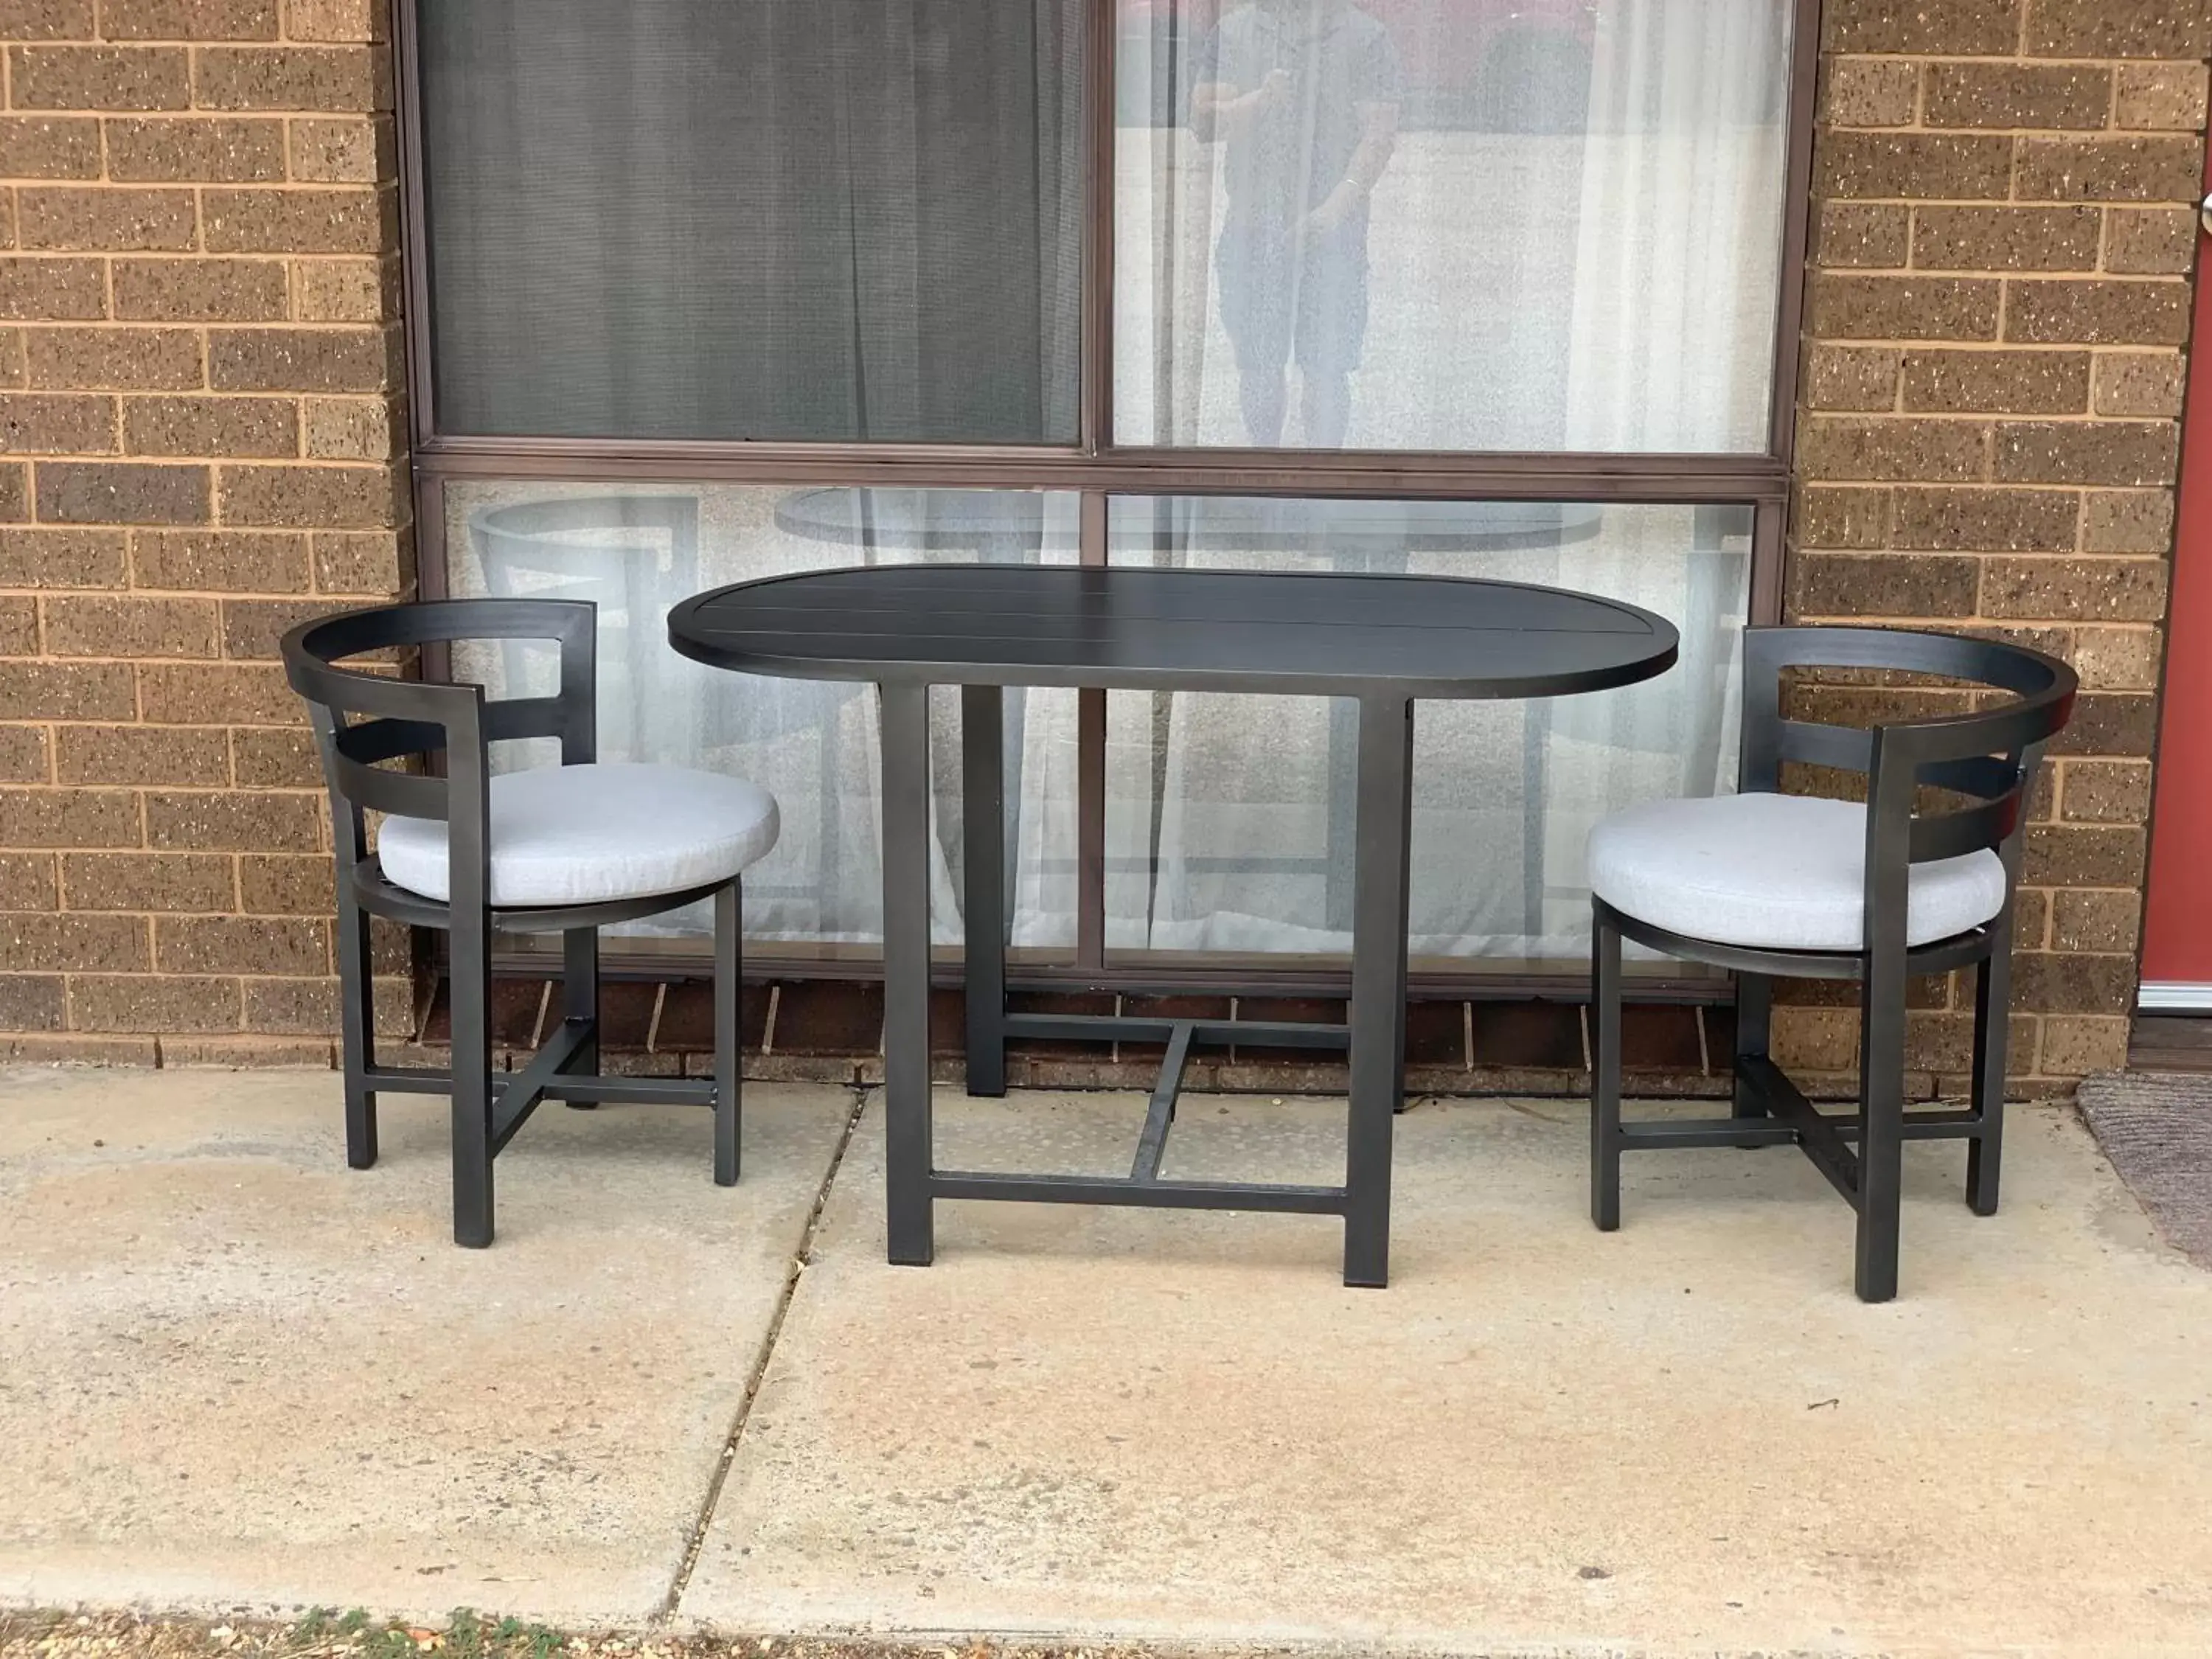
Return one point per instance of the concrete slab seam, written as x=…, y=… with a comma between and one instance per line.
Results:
x=800, y=1259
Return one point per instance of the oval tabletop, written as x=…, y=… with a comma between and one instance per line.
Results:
x=1312, y=633
x=877, y=516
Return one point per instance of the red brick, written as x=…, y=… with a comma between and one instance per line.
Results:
x=26, y=882
x=61, y=290
x=188, y=20
x=2159, y=169
x=143, y=755
x=222, y=560
x=298, y=221
x=2017, y=94
x=50, y=147
x=153, y=1002
x=1966, y=27
x=78, y=943
x=109, y=218
x=2087, y=452
x=345, y=78
x=32, y=1002
x=2118, y=28
x=1986, y=520
x=2068, y=589
x=69, y=817
x=98, y=77
x=211, y=426
x=1835, y=447
x=45, y=20
x=287, y=885
x=1996, y=382
x=238, y=821
x=339, y=497
x=66, y=691
x=61, y=558
x=51, y=423
x=1978, y=238
x=303, y=359
x=23, y=755
x=275, y=946
x=104, y=492
x=180, y=694
x=2048, y=311
x=1855, y=308
x=112, y=359
x=196, y=149
x=117, y=625
x=274, y=757
x=1913, y=166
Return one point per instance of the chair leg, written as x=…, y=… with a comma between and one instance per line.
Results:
x=729, y=930
x=580, y=998
x=1605, y=1075
x=1881, y=1125
x=1754, y=1027
x=1992, y=997
x=1754, y=1021
x=357, y=1026
x=473, y=1096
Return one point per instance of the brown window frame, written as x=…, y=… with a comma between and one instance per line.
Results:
x=1096, y=468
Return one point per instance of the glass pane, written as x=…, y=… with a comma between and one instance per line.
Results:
x=1229, y=819
x=636, y=551
x=1535, y=225
x=783, y=219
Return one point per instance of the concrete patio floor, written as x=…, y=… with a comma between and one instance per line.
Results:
x=236, y=1375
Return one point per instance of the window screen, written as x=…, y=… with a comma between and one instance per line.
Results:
x=826, y=220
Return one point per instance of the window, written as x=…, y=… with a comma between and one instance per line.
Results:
x=701, y=292
x=1451, y=225
x=784, y=219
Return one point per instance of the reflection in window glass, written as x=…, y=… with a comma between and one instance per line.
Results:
x=778, y=219
x=1229, y=819
x=636, y=551
x=1533, y=225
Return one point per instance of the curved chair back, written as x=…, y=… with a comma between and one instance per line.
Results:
x=364, y=721
x=1987, y=754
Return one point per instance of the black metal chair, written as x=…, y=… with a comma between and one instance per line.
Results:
x=568, y=849
x=1795, y=886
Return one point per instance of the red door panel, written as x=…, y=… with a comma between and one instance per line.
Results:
x=2177, y=967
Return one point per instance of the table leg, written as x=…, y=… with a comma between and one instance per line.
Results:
x=983, y=830
x=907, y=1129
x=1378, y=982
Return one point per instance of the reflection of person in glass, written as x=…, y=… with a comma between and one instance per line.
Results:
x=1304, y=95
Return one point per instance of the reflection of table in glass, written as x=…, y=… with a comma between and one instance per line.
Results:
x=998, y=526
x=992, y=527
x=1380, y=640
x=1354, y=537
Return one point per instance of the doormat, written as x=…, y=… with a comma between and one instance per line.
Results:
x=2156, y=1128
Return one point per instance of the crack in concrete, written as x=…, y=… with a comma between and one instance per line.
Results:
x=805, y=1254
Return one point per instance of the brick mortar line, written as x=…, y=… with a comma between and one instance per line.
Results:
x=1976, y=273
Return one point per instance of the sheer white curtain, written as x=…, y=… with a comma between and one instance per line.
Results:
x=1409, y=225
x=637, y=550
x=1558, y=227
x=1229, y=819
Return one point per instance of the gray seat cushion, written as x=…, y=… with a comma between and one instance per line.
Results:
x=1778, y=873
x=584, y=834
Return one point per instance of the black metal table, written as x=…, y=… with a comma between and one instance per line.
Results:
x=1382, y=640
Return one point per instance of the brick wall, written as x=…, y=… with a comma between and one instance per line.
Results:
x=198, y=366
x=2005, y=224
